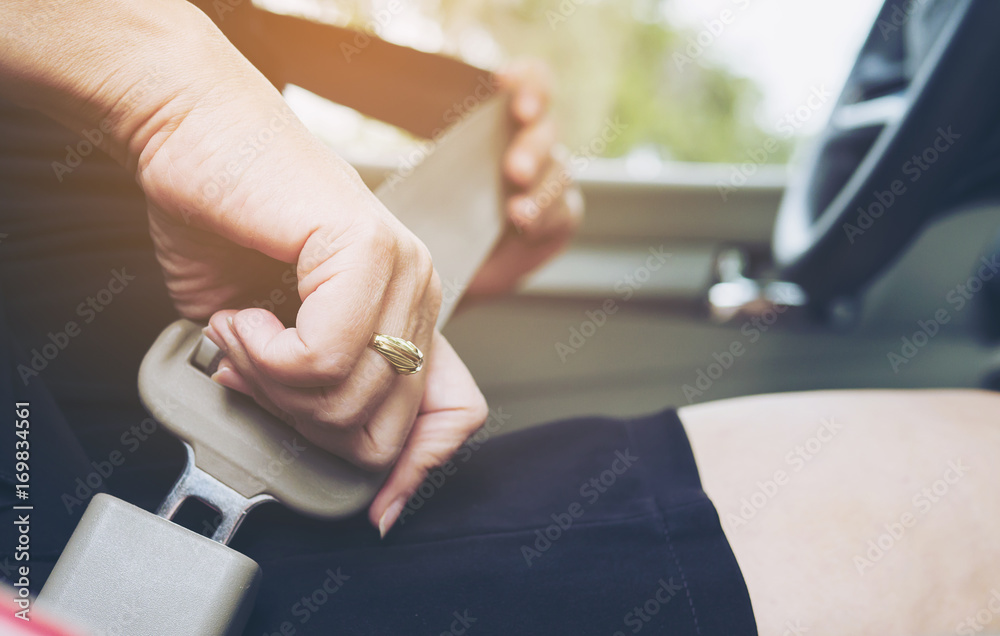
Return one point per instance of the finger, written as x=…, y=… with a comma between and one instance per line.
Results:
x=530, y=83
x=376, y=443
x=364, y=419
x=511, y=261
x=241, y=373
x=451, y=410
x=361, y=422
x=529, y=152
x=228, y=376
x=552, y=208
x=302, y=408
x=411, y=305
x=553, y=217
x=343, y=299
x=389, y=415
x=341, y=408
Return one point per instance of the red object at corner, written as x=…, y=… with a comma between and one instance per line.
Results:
x=39, y=625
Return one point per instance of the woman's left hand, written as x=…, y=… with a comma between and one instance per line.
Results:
x=544, y=205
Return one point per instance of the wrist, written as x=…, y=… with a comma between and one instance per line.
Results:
x=237, y=162
x=122, y=68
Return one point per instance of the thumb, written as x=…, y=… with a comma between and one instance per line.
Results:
x=452, y=409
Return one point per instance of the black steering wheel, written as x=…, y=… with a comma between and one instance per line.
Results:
x=914, y=134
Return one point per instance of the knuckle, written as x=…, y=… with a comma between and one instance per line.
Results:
x=374, y=377
x=417, y=259
x=376, y=456
x=380, y=241
x=335, y=368
x=336, y=412
x=419, y=263
x=434, y=293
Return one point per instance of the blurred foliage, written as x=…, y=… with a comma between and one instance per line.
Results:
x=611, y=58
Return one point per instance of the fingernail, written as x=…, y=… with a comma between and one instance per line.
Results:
x=213, y=335
x=390, y=516
x=227, y=375
x=232, y=336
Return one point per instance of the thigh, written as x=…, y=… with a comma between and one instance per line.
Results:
x=861, y=512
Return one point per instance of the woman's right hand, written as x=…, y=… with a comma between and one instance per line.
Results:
x=238, y=190
x=237, y=186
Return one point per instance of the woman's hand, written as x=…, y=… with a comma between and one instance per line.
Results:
x=244, y=202
x=544, y=206
x=357, y=271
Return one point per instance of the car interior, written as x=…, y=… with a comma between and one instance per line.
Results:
x=872, y=263
x=859, y=294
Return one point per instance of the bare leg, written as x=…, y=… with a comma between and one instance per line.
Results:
x=859, y=512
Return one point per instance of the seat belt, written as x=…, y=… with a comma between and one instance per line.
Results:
x=411, y=89
x=127, y=571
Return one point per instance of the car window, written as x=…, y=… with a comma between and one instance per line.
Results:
x=723, y=81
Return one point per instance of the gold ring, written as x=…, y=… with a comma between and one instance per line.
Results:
x=403, y=355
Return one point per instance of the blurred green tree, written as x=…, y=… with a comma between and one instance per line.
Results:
x=611, y=58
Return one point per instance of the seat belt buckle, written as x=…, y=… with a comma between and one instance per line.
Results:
x=128, y=571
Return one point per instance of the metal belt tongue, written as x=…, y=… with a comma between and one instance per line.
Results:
x=126, y=571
